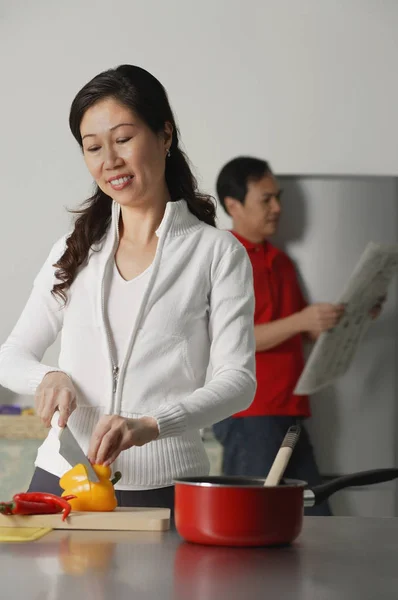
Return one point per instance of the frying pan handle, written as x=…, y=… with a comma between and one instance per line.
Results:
x=322, y=492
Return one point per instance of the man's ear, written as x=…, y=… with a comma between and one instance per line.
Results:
x=232, y=205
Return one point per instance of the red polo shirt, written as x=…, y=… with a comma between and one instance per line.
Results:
x=277, y=295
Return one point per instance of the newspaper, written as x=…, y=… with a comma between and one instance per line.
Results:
x=335, y=349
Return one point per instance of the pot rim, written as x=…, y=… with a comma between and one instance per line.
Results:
x=195, y=482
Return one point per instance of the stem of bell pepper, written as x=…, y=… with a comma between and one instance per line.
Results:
x=117, y=477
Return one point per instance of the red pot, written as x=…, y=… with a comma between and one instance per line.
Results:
x=240, y=511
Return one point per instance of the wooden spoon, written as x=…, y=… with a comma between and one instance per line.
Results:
x=282, y=458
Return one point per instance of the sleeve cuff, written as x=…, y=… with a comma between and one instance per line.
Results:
x=171, y=420
x=37, y=374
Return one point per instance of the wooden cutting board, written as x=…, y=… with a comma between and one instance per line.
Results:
x=120, y=519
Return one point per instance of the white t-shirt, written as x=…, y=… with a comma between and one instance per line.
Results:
x=123, y=304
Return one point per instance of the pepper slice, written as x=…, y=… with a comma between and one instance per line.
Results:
x=90, y=496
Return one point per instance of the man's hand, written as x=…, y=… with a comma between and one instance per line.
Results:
x=320, y=317
x=375, y=312
x=113, y=434
x=56, y=391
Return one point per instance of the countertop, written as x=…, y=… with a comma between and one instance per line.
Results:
x=22, y=427
x=334, y=558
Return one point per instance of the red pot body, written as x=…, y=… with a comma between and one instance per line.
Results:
x=239, y=516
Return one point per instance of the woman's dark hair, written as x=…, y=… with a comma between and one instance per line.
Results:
x=236, y=174
x=142, y=93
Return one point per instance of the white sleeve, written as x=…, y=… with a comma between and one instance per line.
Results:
x=232, y=353
x=36, y=330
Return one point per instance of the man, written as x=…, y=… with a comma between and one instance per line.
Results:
x=250, y=194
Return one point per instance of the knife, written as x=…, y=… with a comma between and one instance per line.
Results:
x=69, y=448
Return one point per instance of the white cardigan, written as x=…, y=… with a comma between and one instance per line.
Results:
x=198, y=306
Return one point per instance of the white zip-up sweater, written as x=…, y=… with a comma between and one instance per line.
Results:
x=198, y=306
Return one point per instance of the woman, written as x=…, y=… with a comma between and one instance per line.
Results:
x=147, y=293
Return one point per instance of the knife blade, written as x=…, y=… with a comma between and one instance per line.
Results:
x=70, y=450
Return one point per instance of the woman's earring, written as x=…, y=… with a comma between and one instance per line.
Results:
x=168, y=153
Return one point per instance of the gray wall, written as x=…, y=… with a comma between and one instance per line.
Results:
x=265, y=78
x=326, y=225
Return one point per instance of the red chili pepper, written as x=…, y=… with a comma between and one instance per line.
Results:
x=33, y=503
x=49, y=499
x=24, y=507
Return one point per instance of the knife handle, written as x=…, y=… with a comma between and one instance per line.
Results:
x=54, y=422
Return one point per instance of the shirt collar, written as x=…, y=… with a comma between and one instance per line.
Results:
x=177, y=219
x=270, y=251
x=248, y=244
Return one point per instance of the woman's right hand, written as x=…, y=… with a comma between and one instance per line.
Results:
x=55, y=392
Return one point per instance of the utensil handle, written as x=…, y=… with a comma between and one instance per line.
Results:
x=54, y=422
x=278, y=467
x=322, y=492
x=282, y=458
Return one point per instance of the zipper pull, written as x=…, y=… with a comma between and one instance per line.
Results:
x=115, y=372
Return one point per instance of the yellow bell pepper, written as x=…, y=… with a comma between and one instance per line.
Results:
x=90, y=495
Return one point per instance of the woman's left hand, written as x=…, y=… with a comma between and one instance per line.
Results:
x=113, y=434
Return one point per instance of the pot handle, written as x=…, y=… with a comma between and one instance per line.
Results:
x=322, y=492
